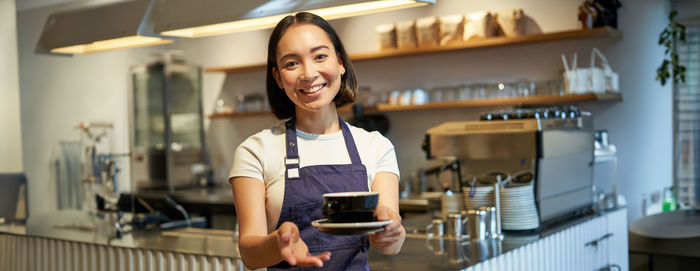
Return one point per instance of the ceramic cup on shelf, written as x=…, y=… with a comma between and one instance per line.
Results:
x=395, y=97
x=419, y=97
x=405, y=97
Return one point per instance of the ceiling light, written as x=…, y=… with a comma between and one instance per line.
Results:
x=192, y=19
x=96, y=29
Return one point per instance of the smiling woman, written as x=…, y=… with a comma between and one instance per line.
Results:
x=309, y=70
x=325, y=51
x=279, y=175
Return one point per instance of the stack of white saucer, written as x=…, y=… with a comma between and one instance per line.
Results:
x=518, y=210
x=480, y=191
x=478, y=196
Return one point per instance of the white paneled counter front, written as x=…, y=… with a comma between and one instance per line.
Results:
x=588, y=243
x=72, y=240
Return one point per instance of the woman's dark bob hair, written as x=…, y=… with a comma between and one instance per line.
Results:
x=281, y=105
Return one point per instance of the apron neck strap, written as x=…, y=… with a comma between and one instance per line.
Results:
x=291, y=141
x=349, y=142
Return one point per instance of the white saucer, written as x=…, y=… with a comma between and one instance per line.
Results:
x=353, y=228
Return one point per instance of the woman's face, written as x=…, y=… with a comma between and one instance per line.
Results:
x=309, y=68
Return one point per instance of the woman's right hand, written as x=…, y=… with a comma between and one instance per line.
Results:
x=294, y=250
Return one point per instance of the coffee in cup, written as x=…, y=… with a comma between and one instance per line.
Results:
x=348, y=207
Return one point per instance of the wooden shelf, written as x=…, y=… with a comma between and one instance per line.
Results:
x=533, y=100
x=600, y=32
x=342, y=110
x=238, y=114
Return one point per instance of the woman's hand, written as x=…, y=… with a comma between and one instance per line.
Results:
x=390, y=240
x=294, y=250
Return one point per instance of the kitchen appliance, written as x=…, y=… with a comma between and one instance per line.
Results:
x=13, y=198
x=554, y=143
x=168, y=148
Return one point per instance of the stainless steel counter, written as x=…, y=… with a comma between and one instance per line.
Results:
x=418, y=252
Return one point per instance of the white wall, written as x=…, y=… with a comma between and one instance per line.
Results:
x=640, y=125
x=60, y=92
x=10, y=137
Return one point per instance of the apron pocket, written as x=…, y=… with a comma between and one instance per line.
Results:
x=304, y=213
x=316, y=240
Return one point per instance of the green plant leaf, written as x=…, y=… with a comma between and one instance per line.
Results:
x=670, y=68
x=682, y=31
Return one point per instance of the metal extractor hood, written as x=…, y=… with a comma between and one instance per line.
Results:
x=140, y=23
x=95, y=29
x=192, y=19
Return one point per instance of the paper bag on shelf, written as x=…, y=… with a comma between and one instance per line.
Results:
x=406, y=35
x=451, y=29
x=479, y=25
x=387, y=36
x=427, y=31
x=512, y=22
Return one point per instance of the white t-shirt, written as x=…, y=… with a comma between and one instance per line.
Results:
x=261, y=156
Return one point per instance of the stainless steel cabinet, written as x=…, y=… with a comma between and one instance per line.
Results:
x=168, y=148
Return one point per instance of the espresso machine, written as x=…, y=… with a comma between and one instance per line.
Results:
x=555, y=144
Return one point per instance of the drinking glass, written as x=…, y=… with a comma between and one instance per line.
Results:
x=436, y=95
x=240, y=103
x=492, y=90
x=478, y=91
x=381, y=97
x=556, y=88
x=363, y=96
x=523, y=88
x=450, y=93
x=464, y=92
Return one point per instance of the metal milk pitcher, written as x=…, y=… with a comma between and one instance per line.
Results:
x=493, y=229
x=435, y=228
x=455, y=225
x=477, y=224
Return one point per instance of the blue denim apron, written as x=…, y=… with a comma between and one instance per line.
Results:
x=303, y=190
